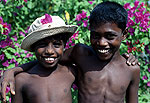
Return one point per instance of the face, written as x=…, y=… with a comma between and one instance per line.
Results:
x=49, y=51
x=106, y=39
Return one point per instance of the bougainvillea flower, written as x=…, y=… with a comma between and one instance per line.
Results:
x=85, y=23
x=17, y=54
x=5, y=64
x=144, y=77
x=2, y=57
x=22, y=33
x=7, y=89
x=12, y=60
x=90, y=2
x=47, y=19
x=25, y=0
x=15, y=37
x=83, y=14
x=136, y=3
x=148, y=84
x=127, y=6
x=28, y=55
x=78, y=17
x=148, y=69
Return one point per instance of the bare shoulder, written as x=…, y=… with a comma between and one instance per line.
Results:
x=21, y=77
x=134, y=69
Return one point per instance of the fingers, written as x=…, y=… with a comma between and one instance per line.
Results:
x=12, y=88
x=125, y=55
x=4, y=85
x=130, y=59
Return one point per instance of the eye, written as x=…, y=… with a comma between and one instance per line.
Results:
x=57, y=44
x=110, y=36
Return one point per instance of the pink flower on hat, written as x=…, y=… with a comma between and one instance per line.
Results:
x=47, y=19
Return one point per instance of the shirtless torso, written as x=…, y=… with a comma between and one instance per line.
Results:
x=101, y=82
x=39, y=87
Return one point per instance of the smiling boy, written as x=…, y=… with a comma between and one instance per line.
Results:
x=43, y=82
x=102, y=73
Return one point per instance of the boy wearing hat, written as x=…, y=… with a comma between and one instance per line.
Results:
x=47, y=81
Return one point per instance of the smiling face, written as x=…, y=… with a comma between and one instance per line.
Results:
x=106, y=39
x=49, y=51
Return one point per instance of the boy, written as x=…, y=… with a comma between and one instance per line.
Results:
x=43, y=82
x=103, y=76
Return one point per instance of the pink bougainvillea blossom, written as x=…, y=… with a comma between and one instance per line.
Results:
x=148, y=84
x=90, y=2
x=85, y=23
x=26, y=1
x=5, y=64
x=2, y=57
x=148, y=69
x=28, y=55
x=15, y=37
x=47, y=19
x=22, y=33
x=78, y=17
x=144, y=77
x=127, y=6
x=7, y=89
x=17, y=54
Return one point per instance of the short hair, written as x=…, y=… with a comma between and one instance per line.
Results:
x=109, y=12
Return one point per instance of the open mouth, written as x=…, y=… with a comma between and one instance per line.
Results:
x=50, y=60
x=103, y=51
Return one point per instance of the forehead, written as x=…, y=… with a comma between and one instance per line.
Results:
x=106, y=27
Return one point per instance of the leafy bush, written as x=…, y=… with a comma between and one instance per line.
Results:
x=17, y=15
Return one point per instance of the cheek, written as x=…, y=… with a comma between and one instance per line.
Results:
x=39, y=50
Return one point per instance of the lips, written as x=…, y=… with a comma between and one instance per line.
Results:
x=50, y=60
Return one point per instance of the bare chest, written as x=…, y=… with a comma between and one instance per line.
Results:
x=104, y=85
x=53, y=89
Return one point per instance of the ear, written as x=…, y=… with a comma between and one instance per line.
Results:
x=125, y=33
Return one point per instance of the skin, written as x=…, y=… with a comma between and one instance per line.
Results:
x=104, y=77
x=47, y=81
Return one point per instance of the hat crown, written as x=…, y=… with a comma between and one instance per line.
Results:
x=37, y=25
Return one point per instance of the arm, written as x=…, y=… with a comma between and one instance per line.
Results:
x=132, y=91
x=18, y=98
x=8, y=78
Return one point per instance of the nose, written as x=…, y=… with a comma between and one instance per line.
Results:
x=50, y=49
x=102, y=42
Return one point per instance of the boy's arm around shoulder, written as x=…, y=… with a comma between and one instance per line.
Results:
x=8, y=78
x=132, y=91
x=72, y=53
x=19, y=84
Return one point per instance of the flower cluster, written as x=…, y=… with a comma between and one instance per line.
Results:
x=6, y=27
x=138, y=40
x=140, y=14
x=82, y=18
x=71, y=42
x=47, y=19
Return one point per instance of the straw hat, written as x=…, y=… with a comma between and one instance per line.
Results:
x=46, y=26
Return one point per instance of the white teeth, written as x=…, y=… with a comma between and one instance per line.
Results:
x=103, y=51
x=50, y=59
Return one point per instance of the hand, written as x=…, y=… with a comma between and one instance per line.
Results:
x=7, y=80
x=131, y=60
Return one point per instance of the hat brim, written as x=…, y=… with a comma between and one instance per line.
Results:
x=41, y=34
